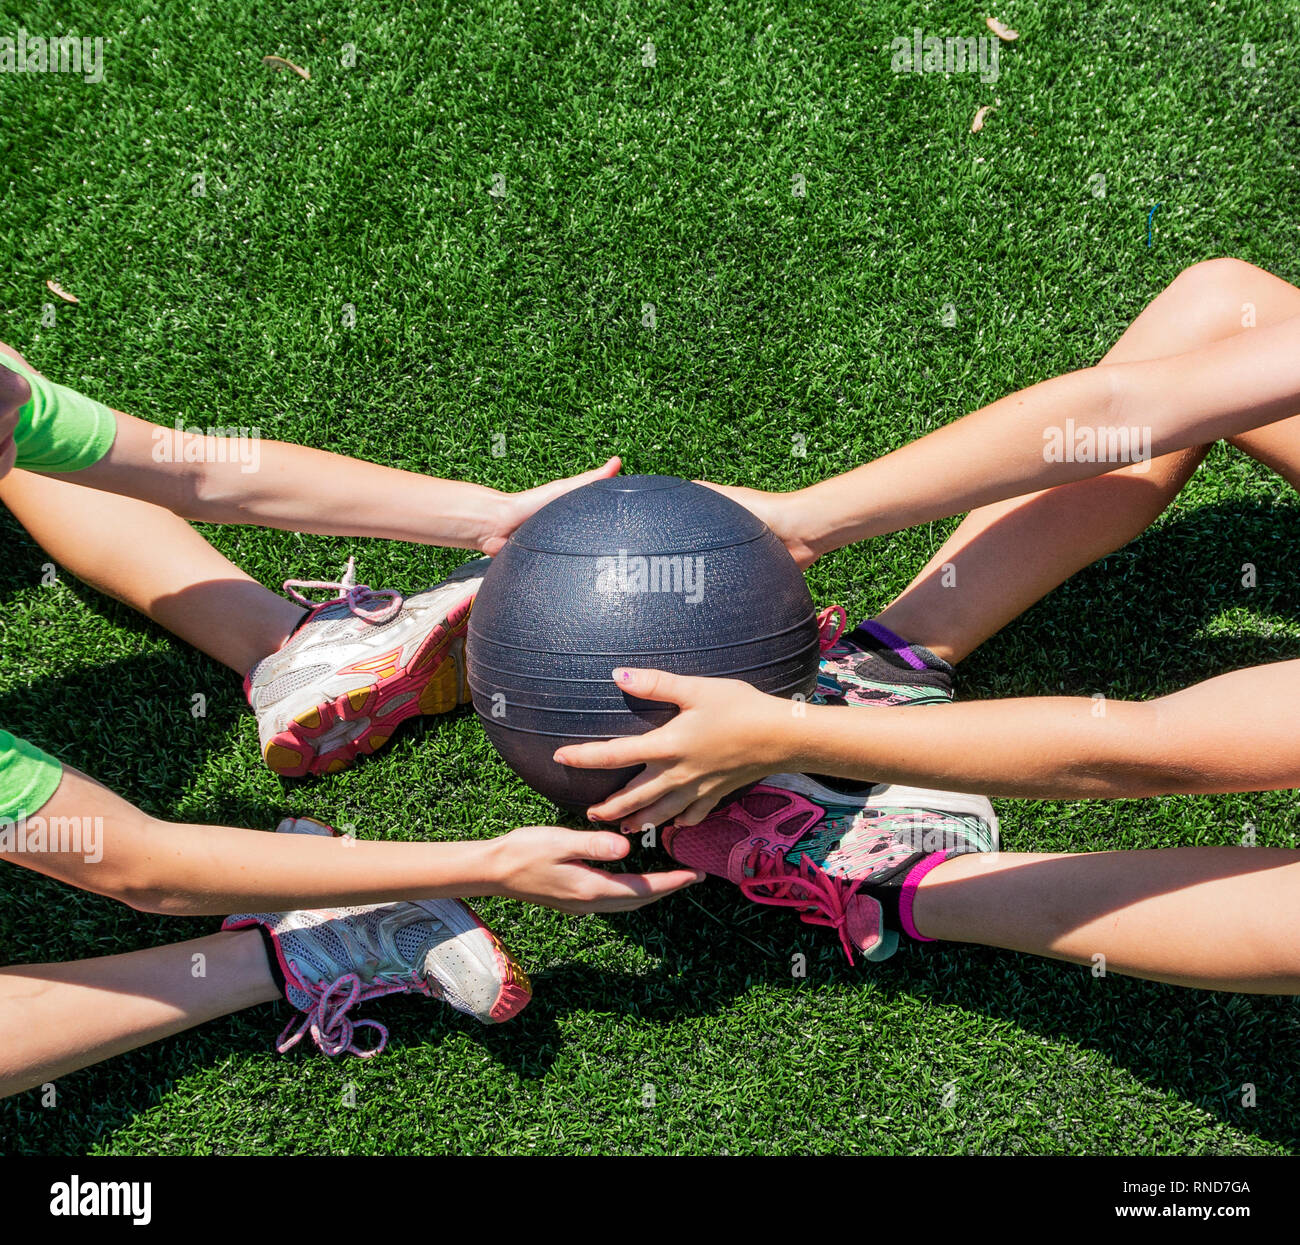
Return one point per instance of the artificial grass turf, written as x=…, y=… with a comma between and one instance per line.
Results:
x=776, y=316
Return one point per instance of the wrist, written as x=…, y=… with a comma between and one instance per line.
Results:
x=806, y=746
x=812, y=513
x=471, y=515
x=776, y=741
x=492, y=865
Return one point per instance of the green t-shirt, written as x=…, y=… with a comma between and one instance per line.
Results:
x=59, y=429
x=28, y=778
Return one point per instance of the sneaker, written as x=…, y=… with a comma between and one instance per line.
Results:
x=848, y=861
x=357, y=667
x=870, y=665
x=326, y=960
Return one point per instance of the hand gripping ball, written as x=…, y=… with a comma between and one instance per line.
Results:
x=647, y=571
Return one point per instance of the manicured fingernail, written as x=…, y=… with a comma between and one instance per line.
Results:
x=623, y=676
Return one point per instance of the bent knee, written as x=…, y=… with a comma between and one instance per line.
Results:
x=1217, y=274
x=1219, y=295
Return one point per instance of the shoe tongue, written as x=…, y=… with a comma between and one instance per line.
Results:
x=418, y=945
x=424, y=969
x=297, y=997
x=863, y=925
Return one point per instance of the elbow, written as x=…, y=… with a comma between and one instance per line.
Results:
x=1160, y=759
x=145, y=891
x=1116, y=384
x=1139, y=760
x=211, y=481
x=149, y=875
x=159, y=900
x=203, y=495
x=1113, y=782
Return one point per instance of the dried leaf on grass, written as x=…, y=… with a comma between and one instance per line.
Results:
x=279, y=62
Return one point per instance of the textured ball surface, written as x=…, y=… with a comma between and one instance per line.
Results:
x=647, y=571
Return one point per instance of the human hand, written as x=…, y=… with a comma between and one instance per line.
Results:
x=726, y=735
x=513, y=508
x=785, y=513
x=547, y=865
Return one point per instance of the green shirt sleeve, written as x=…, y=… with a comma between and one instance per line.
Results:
x=28, y=778
x=59, y=429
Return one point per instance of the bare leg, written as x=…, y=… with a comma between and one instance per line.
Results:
x=152, y=560
x=55, y=1018
x=1007, y=556
x=1220, y=918
x=155, y=562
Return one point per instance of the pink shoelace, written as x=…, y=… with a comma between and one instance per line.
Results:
x=833, y=616
x=819, y=898
x=327, y=1019
x=357, y=596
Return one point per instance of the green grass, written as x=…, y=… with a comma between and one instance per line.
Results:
x=776, y=315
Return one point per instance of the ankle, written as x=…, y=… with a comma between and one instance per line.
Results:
x=914, y=632
x=273, y=635
x=937, y=902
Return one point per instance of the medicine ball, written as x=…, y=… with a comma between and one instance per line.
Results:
x=648, y=571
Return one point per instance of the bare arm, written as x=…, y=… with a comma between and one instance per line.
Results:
x=1221, y=390
x=275, y=484
x=99, y=842
x=1236, y=732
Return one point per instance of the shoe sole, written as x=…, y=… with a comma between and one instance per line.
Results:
x=516, y=988
x=432, y=682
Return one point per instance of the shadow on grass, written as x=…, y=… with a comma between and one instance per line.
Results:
x=1132, y=625
x=130, y=724
x=1135, y=623
x=1203, y=1047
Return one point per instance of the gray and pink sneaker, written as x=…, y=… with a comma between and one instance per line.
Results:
x=851, y=861
x=326, y=960
x=357, y=667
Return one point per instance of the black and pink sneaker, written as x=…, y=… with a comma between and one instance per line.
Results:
x=848, y=861
x=870, y=665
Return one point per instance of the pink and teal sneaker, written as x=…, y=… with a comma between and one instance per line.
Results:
x=327, y=960
x=870, y=665
x=851, y=861
x=357, y=667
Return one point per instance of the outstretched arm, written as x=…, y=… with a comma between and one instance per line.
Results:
x=99, y=842
x=1231, y=733
x=275, y=484
x=242, y=479
x=1003, y=450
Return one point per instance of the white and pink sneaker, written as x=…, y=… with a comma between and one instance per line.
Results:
x=358, y=666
